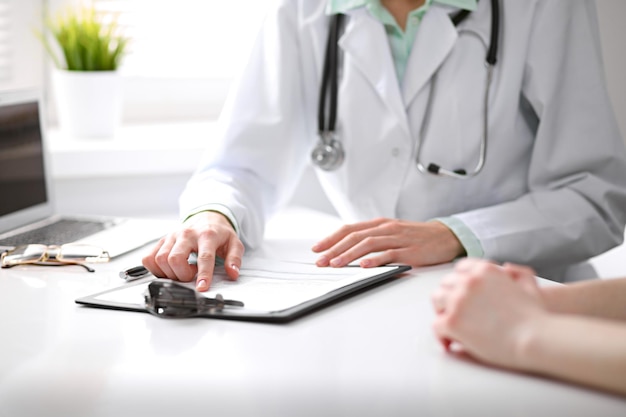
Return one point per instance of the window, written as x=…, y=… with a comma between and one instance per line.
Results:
x=21, y=56
x=6, y=42
x=183, y=53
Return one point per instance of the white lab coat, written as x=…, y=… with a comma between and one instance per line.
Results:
x=553, y=190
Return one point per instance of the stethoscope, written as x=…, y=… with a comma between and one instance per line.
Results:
x=329, y=153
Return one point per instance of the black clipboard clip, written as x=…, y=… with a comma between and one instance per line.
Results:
x=169, y=299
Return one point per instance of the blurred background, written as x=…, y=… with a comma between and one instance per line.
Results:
x=175, y=78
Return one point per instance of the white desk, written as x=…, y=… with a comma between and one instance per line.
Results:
x=371, y=355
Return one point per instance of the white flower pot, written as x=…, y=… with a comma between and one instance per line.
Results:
x=89, y=103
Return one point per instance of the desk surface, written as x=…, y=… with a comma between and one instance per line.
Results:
x=373, y=354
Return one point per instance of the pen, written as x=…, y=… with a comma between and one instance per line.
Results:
x=138, y=272
x=193, y=259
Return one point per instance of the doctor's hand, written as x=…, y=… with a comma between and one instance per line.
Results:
x=394, y=241
x=488, y=310
x=209, y=234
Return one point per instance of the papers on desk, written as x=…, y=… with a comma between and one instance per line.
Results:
x=270, y=290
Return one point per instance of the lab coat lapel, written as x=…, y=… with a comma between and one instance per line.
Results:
x=435, y=39
x=365, y=43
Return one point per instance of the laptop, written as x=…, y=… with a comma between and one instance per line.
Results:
x=26, y=195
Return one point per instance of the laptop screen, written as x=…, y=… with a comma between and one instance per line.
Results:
x=22, y=174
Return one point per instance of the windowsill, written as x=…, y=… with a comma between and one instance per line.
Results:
x=146, y=165
x=136, y=150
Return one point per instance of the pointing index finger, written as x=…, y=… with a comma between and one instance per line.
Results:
x=205, y=260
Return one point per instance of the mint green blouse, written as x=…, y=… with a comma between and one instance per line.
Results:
x=400, y=41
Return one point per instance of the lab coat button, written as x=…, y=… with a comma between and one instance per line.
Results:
x=415, y=20
x=395, y=152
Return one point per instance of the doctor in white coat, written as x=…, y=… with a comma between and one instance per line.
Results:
x=552, y=191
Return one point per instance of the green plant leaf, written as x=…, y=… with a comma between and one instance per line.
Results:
x=86, y=42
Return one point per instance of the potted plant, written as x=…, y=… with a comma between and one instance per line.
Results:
x=86, y=50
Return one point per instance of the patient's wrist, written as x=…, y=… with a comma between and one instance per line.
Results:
x=530, y=343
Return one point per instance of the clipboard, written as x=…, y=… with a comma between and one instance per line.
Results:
x=270, y=291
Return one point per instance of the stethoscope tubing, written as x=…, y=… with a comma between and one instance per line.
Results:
x=330, y=78
x=329, y=153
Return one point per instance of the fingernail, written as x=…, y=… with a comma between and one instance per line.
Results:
x=315, y=247
x=462, y=265
x=235, y=267
x=335, y=262
x=365, y=263
x=200, y=285
x=322, y=261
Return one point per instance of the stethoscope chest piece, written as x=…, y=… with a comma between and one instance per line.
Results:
x=328, y=154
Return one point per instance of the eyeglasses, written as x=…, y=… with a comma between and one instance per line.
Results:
x=54, y=255
x=166, y=298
